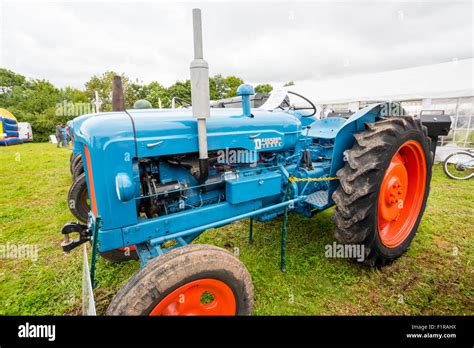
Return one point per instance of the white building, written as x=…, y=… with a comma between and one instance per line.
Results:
x=446, y=86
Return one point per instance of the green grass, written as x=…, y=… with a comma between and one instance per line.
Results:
x=434, y=277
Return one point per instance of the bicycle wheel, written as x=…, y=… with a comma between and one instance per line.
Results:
x=459, y=165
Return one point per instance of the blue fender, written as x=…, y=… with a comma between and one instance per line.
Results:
x=344, y=137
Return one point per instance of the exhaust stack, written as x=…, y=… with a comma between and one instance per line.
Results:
x=118, y=100
x=200, y=95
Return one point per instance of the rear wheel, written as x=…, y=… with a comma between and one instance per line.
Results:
x=383, y=188
x=78, y=199
x=190, y=280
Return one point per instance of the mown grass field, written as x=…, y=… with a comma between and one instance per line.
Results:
x=434, y=277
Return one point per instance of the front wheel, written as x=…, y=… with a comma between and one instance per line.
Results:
x=190, y=280
x=459, y=165
x=71, y=160
x=383, y=188
x=76, y=161
x=78, y=199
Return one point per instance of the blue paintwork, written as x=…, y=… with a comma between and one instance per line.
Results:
x=326, y=128
x=245, y=91
x=118, y=141
x=248, y=188
x=344, y=138
x=226, y=128
x=125, y=187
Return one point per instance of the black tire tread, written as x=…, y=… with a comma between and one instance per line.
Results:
x=71, y=160
x=360, y=178
x=165, y=273
x=79, y=208
x=76, y=166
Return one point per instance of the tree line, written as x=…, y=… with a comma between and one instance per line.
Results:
x=43, y=105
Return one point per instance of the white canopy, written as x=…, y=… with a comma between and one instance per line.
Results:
x=451, y=79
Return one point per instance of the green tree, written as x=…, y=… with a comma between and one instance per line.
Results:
x=103, y=85
x=180, y=89
x=9, y=80
x=290, y=83
x=41, y=96
x=217, y=87
x=74, y=95
x=43, y=124
x=44, y=106
x=154, y=91
x=34, y=97
x=263, y=88
x=232, y=83
x=34, y=101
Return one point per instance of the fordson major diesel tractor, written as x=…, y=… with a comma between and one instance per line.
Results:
x=158, y=178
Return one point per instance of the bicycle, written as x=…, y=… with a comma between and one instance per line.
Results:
x=460, y=165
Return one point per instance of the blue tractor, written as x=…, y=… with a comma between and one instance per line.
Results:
x=158, y=178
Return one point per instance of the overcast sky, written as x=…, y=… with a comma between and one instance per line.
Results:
x=275, y=42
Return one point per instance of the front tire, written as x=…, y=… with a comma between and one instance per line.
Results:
x=190, y=280
x=78, y=199
x=76, y=166
x=71, y=160
x=383, y=188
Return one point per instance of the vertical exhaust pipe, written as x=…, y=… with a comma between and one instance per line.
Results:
x=200, y=95
x=118, y=100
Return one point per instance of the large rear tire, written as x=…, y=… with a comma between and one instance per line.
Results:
x=190, y=280
x=383, y=188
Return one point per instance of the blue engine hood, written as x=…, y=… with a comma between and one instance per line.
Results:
x=158, y=132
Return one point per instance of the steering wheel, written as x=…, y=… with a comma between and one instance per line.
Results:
x=182, y=102
x=285, y=103
x=312, y=107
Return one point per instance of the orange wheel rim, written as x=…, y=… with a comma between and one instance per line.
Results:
x=401, y=194
x=199, y=297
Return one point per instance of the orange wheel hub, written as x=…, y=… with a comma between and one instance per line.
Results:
x=199, y=297
x=401, y=194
